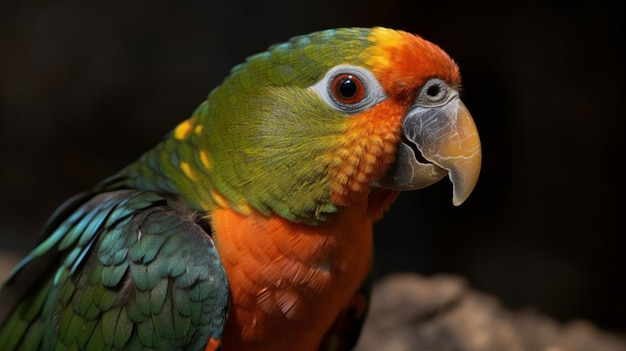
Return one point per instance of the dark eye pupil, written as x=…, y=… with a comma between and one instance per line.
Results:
x=433, y=90
x=348, y=87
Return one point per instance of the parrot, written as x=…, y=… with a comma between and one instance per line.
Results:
x=250, y=225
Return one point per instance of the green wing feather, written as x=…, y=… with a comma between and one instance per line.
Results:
x=134, y=270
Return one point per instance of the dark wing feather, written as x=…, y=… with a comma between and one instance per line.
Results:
x=134, y=271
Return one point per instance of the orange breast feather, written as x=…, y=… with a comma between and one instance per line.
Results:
x=289, y=281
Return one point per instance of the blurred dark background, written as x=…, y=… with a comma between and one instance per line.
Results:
x=86, y=87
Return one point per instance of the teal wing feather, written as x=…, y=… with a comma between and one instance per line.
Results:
x=123, y=270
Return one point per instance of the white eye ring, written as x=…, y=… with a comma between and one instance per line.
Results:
x=371, y=93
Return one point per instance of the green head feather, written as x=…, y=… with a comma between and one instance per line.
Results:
x=260, y=140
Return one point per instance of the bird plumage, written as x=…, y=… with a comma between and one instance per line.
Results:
x=250, y=224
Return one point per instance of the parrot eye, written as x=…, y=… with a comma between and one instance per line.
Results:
x=349, y=89
x=434, y=91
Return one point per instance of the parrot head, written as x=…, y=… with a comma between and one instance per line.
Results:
x=314, y=124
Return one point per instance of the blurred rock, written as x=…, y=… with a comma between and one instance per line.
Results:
x=443, y=313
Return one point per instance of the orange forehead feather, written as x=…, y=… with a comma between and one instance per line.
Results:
x=402, y=62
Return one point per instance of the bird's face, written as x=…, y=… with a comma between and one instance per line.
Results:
x=311, y=125
x=406, y=119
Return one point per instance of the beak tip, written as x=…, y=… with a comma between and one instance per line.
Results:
x=464, y=180
x=458, y=200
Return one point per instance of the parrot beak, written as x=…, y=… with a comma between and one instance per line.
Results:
x=437, y=141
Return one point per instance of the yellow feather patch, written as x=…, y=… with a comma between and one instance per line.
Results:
x=204, y=158
x=187, y=170
x=219, y=199
x=182, y=130
x=390, y=37
x=245, y=209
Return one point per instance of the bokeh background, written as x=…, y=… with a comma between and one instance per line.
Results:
x=86, y=87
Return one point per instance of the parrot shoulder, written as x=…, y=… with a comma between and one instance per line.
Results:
x=134, y=269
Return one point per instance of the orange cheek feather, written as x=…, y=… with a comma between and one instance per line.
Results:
x=366, y=150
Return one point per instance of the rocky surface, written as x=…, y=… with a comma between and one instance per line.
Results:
x=442, y=313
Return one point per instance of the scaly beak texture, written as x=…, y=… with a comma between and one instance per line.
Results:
x=447, y=139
